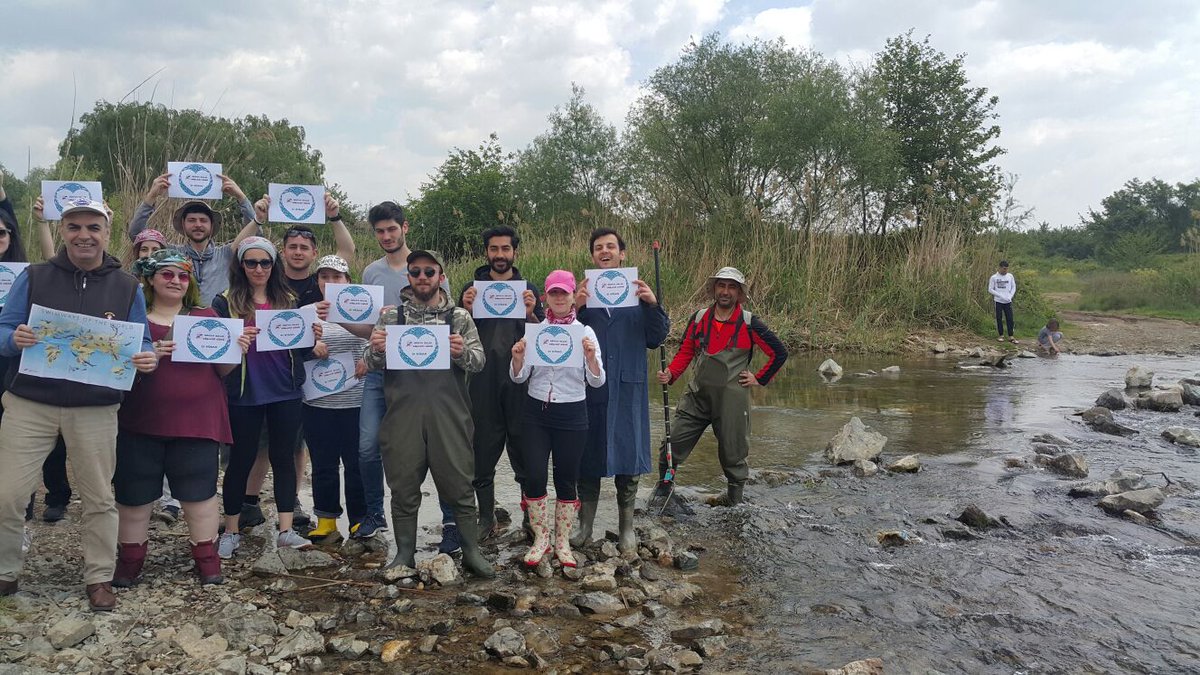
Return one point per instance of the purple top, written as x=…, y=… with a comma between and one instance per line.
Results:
x=268, y=375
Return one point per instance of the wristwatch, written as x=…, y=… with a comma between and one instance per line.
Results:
x=333, y=218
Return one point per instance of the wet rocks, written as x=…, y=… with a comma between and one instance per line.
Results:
x=940, y=347
x=1161, y=400
x=891, y=370
x=1052, y=439
x=829, y=368
x=855, y=441
x=394, y=649
x=69, y=632
x=1071, y=464
x=973, y=516
x=1047, y=449
x=688, y=635
x=1101, y=419
x=1190, y=390
x=865, y=468
x=894, y=538
x=295, y=560
x=439, y=568
x=597, y=602
x=349, y=645
x=1139, y=378
x=1113, y=399
x=1182, y=436
x=505, y=642
x=1141, y=501
x=863, y=667
x=397, y=573
x=1119, y=481
x=1026, y=354
x=906, y=464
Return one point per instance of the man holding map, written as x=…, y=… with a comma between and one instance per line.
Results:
x=85, y=280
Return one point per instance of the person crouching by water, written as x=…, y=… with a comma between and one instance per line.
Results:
x=427, y=427
x=266, y=387
x=556, y=424
x=171, y=425
x=1049, y=337
x=720, y=340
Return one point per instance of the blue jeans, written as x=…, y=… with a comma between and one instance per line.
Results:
x=370, y=464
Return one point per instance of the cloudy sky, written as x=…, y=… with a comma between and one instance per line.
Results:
x=1092, y=92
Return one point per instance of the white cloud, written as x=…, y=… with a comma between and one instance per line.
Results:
x=793, y=24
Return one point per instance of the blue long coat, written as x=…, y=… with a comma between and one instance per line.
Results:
x=619, y=413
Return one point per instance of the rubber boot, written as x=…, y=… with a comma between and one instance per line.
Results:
x=406, y=542
x=208, y=564
x=538, y=511
x=733, y=495
x=130, y=558
x=326, y=531
x=526, y=525
x=486, y=499
x=589, y=496
x=472, y=559
x=626, y=500
x=564, y=516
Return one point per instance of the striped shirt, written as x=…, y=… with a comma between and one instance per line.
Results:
x=341, y=341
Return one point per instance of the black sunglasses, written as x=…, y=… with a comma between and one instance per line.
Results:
x=265, y=263
x=415, y=272
x=4, y=232
x=299, y=233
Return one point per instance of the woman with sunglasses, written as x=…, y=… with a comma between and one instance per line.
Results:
x=172, y=424
x=266, y=387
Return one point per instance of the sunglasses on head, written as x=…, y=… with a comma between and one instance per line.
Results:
x=299, y=233
x=265, y=263
x=415, y=272
x=171, y=275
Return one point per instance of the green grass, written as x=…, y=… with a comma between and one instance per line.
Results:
x=1165, y=285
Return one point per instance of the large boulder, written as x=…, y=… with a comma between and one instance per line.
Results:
x=1139, y=378
x=906, y=464
x=855, y=441
x=1190, y=389
x=1101, y=419
x=1141, y=501
x=1182, y=436
x=1070, y=464
x=829, y=368
x=1161, y=400
x=1113, y=399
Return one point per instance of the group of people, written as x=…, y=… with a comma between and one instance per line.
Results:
x=590, y=421
x=1002, y=286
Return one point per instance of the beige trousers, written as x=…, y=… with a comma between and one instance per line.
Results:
x=27, y=435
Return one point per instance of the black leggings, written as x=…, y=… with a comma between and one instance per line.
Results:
x=1004, y=314
x=543, y=438
x=283, y=432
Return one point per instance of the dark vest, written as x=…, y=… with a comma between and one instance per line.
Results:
x=105, y=292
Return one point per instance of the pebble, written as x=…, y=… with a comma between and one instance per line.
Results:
x=69, y=632
x=394, y=649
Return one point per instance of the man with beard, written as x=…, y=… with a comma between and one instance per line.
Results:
x=618, y=412
x=720, y=339
x=198, y=223
x=299, y=249
x=496, y=399
x=427, y=426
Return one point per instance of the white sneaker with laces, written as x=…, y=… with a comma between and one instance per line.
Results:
x=290, y=539
x=228, y=544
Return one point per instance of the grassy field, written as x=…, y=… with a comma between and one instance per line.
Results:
x=1166, y=285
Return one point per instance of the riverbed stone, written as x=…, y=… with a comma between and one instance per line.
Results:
x=69, y=631
x=394, y=649
x=894, y=538
x=1189, y=388
x=1113, y=399
x=439, y=568
x=906, y=464
x=1182, y=436
x=269, y=564
x=1141, y=501
x=855, y=441
x=829, y=368
x=863, y=667
x=701, y=629
x=399, y=572
x=295, y=560
x=973, y=516
x=891, y=370
x=1101, y=419
x=302, y=642
x=1071, y=464
x=1161, y=400
x=1138, y=377
x=865, y=468
x=940, y=347
x=1047, y=449
x=505, y=642
x=1052, y=439
x=597, y=602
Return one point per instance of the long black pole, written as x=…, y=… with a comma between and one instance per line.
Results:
x=669, y=474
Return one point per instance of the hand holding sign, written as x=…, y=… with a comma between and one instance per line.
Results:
x=418, y=347
x=329, y=376
x=194, y=180
x=296, y=203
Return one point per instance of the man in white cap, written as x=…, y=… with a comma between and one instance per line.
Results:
x=198, y=223
x=82, y=279
x=720, y=340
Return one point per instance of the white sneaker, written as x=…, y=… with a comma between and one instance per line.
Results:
x=290, y=539
x=228, y=544
x=27, y=540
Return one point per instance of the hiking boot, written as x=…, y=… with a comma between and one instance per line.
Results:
x=169, y=514
x=53, y=514
x=451, y=541
x=208, y=563
x=564, y=516
x=325, y=533
x=130, y=559
x=228, y=544
x=292, y=539
x=370, y=526
x=251, y=515
x=538, y=511
x=101, y=598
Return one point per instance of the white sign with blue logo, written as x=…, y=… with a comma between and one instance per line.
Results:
x=296, y=204
x=285, y=328
x=554, y=345
x=9, y=271
x=194, y=180
x=329, y=376
x=418, y=347
x=612, y=288
x=56, y=193
x=354, y=303
x=499, y=300
x=205, y=339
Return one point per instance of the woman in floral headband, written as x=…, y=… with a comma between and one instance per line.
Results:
x=171, y=424
x=146, y=242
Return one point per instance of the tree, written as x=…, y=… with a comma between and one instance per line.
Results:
x=945, y=132
x=470, y=192
x=1153, y=209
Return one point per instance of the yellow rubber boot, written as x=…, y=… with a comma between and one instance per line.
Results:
x=326, y=531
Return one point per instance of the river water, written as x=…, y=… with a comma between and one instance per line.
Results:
x=1066, y=589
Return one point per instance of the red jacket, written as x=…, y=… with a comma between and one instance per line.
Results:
x=754, y=334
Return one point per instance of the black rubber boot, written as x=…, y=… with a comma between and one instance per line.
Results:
x=473, y=561
x=626, y=498
x=486, y=498
x=406, y=542
x=733, y=495
x=589, y=496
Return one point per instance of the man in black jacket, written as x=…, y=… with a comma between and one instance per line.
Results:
x=496, y=401
x=81, y=279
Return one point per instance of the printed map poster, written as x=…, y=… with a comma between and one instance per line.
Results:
x=285, y=328
x=612, y=288
x=354, y=303
x=9, y=271
x=82, y=349
x=554, y=345
x=328, y=376
x=55, y=193
x=205, y=339
x=194, y=180
x=418, y=347
x=499, y=300
x=296, y=204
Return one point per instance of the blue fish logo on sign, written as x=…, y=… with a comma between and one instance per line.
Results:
x=489, y=293
x=280, y=320
x=416, y=332
x=322, y=370
x=209, y=325
x=614, y=280
x=553, y=332
x=198, y=175
x=299, y=194
x=68, y=192
x=352, y=292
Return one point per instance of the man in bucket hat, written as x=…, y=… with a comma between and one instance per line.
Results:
x=198, y=223
x=720, y=340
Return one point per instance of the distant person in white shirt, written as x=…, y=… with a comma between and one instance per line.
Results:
x=1003, y=286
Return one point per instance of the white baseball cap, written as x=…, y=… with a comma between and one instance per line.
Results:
x=82, y=205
